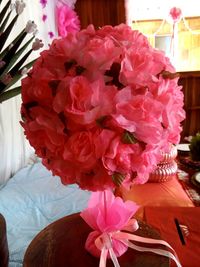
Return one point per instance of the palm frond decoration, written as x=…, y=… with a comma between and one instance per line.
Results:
x=13, y=55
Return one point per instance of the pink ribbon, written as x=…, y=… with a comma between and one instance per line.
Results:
x=109, y=216
x=104, y=243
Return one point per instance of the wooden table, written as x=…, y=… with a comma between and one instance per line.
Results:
x=61, y=244
x=192, y=190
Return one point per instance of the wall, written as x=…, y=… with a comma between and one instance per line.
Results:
x=191, y=89
x=100, y=12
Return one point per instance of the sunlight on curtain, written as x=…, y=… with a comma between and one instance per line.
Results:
x=34, y=11
x=15, y=150
x=156, y=9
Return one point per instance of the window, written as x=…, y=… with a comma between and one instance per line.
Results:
x=163, y=42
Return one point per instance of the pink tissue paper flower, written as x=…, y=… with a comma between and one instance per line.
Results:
x=175, y=13
x=67, y=20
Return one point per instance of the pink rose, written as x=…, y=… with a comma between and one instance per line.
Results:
x=79, y=99
x=80, y=146
x=144, y=161
x=140, y=66
x=123, y=34
x=45, y=131
x=60, y=167
x=171, y=97
x=87, y=147
x=141, y=116
x=99, y=54
x=36, y=88
x=117, y=157
x=96, y=180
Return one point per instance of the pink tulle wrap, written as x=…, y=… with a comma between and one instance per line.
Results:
x=106, y=215
x=113, y=225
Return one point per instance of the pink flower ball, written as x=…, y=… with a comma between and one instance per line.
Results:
x=99, y=106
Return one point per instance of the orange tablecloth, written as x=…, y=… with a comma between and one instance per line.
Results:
x=168, y=194
x=162, y=218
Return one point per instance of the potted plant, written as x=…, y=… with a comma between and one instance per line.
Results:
x=195, y=147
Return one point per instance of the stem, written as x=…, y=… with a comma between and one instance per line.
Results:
x=105, y=205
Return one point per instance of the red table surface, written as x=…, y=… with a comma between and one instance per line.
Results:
x=184, y=175
x=162, y=218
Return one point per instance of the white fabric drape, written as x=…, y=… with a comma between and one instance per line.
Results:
x=15, y=150
x=34, y=11
x=70, y=3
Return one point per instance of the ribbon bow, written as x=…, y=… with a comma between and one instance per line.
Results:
x=104, y=243
x=109, y=216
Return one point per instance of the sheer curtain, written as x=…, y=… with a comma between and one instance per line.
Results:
x=15, y=150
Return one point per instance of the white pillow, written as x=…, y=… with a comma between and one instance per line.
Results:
x=31, y=200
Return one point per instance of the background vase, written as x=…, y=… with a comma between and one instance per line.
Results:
x=166, y=169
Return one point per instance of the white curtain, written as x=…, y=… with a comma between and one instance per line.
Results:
x=70, y=3
x=34, y=11
x=15, y=150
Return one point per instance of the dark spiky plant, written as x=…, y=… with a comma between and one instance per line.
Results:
x=195, y=147
x=13, y=56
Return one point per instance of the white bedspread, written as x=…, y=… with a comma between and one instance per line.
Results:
x=31, y=200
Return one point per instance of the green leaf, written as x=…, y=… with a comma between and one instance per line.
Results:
x=4, y=10
x=16, y=68
x=118, y=178
x=11, y=53
x=195, y=147
x=18, y=75
x=13, y=42
x=6, y=33
x=28, y=65
x=10, y=93
x=3, y=25
x=16, y=56
x=128, y=138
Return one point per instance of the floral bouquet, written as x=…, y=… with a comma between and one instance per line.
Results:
x=99, y=107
